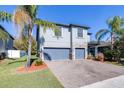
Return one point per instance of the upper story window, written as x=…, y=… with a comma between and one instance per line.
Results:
x=80, y=32
x=58, y=33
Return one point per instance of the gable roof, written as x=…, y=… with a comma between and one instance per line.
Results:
x=73, y=25
x=6, y=32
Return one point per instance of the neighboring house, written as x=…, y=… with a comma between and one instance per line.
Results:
x=71, y=42
x=7, y=45
x=94, y=47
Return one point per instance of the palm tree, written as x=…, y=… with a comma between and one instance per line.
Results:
x=114, y=28
x=26, y=16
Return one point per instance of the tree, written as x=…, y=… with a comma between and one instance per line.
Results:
x=119, y=47
x=114, y=28
x=26, y=16
x=22, y=44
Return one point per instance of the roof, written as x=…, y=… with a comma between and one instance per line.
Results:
x=6, y=32
x=89, y=33
x=74, y=25
x=10, y=35
x=93, y=43
x=99, y=44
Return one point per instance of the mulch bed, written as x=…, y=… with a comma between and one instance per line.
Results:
x=31, y=69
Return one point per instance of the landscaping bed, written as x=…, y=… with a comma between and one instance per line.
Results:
x=33, y=68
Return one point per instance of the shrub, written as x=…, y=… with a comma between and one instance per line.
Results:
x=108, y=54
x=37, y=62
x=100, y=57
x=2, y=56
x=111, y=55
x=90, y=56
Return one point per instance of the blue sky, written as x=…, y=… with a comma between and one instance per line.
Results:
x=92, y=16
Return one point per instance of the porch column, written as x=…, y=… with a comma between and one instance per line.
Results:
x=73, y=54
x=96, y=50
x=86, y=52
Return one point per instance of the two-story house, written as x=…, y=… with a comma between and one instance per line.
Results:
x=71, y=42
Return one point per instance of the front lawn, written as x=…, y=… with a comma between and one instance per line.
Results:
x=9, y=77
x=115, y=63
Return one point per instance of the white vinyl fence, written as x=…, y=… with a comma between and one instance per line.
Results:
x=15, y=53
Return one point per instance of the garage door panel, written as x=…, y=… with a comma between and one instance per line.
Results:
x=56, y=53
x=79, y=53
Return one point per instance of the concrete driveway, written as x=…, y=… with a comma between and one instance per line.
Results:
x=73, y=74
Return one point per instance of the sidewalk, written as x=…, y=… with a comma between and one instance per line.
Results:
x=117, y=82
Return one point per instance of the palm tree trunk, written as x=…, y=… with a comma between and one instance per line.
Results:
x=29, y=49
x=41, y=53
x=112, y=41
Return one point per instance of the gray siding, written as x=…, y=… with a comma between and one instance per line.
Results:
x=1, y=45
x=8, y=45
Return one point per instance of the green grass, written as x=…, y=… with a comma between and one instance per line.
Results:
x=115, y=63
x=9, y=78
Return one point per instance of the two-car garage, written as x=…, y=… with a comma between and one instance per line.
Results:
x=62, y=53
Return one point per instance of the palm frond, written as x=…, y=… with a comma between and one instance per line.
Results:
x=30, y=9
x=21, y=19
x=5, y=16
x=101, y=34
x=109, y=22
x=115, y=23
x=46, y=24
x=120, y=32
